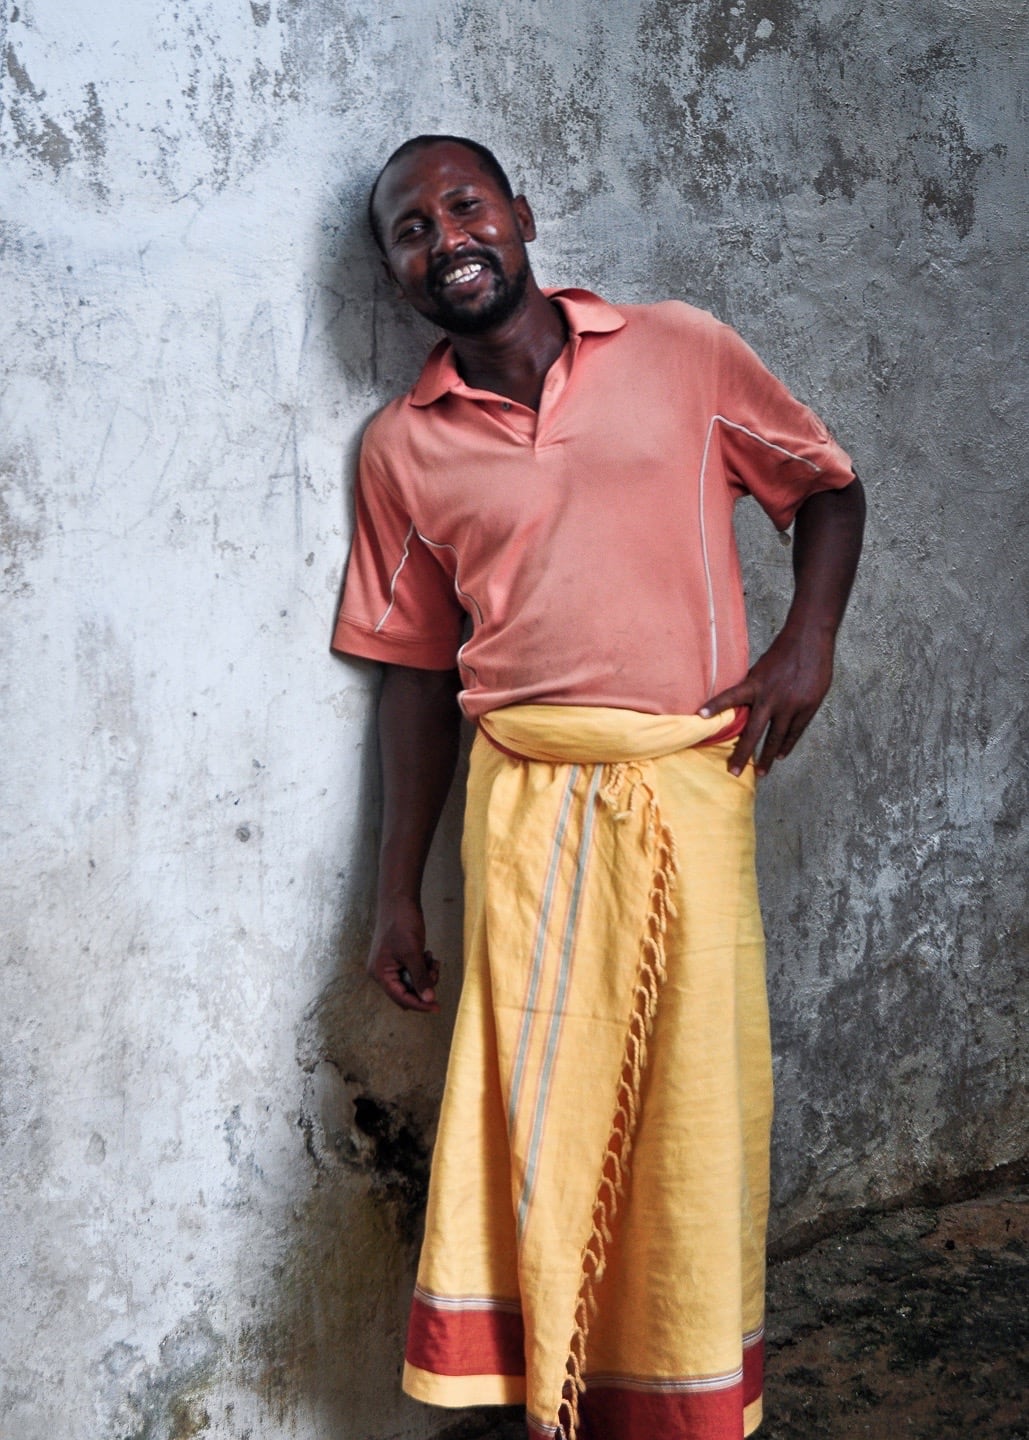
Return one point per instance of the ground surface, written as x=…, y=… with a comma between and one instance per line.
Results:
x=912, y=1326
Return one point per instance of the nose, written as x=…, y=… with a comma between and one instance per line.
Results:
x=450, y=235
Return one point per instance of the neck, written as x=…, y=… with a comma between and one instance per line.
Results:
x=513, y=359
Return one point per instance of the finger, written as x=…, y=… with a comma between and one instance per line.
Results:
x=406, y=979
x=772, y=748
x=401, y=993
x=418, y=976
x=737, y=696
x=748, y=741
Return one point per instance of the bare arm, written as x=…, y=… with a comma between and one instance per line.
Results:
x=419, y=724
x=785, y=687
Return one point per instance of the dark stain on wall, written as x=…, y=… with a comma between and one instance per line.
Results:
x=724, y=31
x=688, y=94
x=346, y=1126
x=165, y=1401
x=946, y=164
x=399, y=1158
x=22, y=516
x=842, y=173
x=40, y=136
x=936, y=59
x=950, y=193
x=836, y=131
x=20, y=76
x=210, y=100
x=91, y=128
x=358, y=1111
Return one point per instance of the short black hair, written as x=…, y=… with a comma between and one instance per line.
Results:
x=487, y=159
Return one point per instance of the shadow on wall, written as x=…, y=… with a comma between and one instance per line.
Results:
x=379, y=342
x=370, y=1078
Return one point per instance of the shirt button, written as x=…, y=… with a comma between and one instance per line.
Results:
x=505, y=404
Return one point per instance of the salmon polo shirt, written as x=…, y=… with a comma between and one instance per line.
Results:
x=588, y=548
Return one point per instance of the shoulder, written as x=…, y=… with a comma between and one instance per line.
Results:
x=590, y=313
x=673, y=314
x=402, y=417
x=673, y=334
x=706, y=338
x=385, y=423
x=388, y=430
x=673, y=322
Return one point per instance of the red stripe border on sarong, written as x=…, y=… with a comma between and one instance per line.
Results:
x=609, y=1413
x=753, y=1367
x=465, y=1341
x=626, y=1410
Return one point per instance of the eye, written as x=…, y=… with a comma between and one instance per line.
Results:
x=410, y=231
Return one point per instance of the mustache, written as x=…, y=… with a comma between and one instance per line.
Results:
x=442, y=267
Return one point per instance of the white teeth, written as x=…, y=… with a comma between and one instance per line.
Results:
x=465, y=272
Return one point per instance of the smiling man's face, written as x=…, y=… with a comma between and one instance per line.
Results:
x=454, y=242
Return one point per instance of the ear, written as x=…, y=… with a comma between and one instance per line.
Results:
x=524, y=216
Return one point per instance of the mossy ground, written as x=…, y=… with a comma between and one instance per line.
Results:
x=911, y=1326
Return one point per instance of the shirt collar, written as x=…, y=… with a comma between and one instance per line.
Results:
x=584, y=312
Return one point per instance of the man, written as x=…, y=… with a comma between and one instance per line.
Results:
x=560, y=483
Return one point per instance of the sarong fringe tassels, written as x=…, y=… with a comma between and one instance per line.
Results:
x=617, y=1159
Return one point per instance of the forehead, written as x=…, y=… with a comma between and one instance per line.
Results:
x=423, y=177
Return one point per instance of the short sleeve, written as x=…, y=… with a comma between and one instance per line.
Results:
x=398, y=604
x=773, y=447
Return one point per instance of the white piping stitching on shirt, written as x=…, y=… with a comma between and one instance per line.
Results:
x=395, y=577
x=462, y=663
x=461, y=594
x=733, y=425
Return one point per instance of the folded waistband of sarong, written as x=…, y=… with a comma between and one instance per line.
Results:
x=596, y=734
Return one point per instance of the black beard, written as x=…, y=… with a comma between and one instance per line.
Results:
x=507, y=297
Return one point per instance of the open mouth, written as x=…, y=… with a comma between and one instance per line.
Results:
x=461, y=274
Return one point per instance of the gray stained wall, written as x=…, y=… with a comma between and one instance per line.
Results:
x=214, y=1136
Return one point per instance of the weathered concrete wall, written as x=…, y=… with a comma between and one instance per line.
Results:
x=213, y=1135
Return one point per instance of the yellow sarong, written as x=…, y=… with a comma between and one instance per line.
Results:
x=594, y=1241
